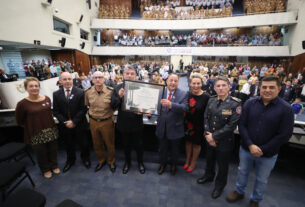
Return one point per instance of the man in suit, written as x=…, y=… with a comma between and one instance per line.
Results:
x=6, y=77
x=170, y=127
x=254, y=89
x=287, y=92
x=70, y=110
x=130, y=124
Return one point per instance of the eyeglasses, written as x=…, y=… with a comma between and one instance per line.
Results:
x=98, y=77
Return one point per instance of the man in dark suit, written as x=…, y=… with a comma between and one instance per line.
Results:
x=170, y=127
x=130, y=124
x=70, y=110
x=287, y=92
x=254, y=89
x=6, y=77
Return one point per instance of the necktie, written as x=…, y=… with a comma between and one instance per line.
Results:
x=68, y=94
x=68, y=109
x=169, y=98
x=219, y=102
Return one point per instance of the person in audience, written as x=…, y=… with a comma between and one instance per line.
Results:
x=245, y=91
x=287, y=92
x=193, y=119
x=77, y=82
x=34, y=114
x=70, y=111
x=4, y=77
x=170, y=127
x=130, y=124
x=297, y=107
x=254, y=89
x=220, y=120
x=86, y=83
x=98, y=99
x=265, y=125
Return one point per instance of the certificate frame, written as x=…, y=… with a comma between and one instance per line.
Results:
x=137, y=91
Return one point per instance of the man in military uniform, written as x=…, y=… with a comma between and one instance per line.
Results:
x=98, y=98
x=220, y=120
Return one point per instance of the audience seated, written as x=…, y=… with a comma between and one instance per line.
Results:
x=199, y=39
x=264, y=6
x=46, y=69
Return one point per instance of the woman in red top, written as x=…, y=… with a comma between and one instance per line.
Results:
x=34, y=114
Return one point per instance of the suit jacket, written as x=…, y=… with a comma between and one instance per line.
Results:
x=8, y=78
x=75, y=106
x=252, y=90
x=171, y=121
x=126, y=121
x=291, y=94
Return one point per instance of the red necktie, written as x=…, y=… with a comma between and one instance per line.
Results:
x=169, y=98
x=68, y=94
x=68, y=109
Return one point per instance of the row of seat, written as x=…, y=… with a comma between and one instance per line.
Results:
x=13, y=173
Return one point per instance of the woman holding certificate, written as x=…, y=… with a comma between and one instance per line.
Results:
x=197, y=101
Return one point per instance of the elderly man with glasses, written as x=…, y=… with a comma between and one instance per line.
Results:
x=98, y=99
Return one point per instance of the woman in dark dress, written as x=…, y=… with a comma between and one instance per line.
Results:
x=197, y=101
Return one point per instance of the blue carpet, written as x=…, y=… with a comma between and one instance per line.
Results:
x=104, y=188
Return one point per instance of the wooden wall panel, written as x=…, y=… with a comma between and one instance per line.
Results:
x=82, y=64
x=298, y=63
x=62, y=55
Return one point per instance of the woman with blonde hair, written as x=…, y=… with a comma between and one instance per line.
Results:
x=193, y=119
x=34, y=114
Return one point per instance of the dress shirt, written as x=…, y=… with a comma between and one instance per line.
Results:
x=268, y=126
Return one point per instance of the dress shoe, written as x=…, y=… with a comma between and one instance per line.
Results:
x=204, y=179
x=87, y=163
x=56, y=171
x=216, y=193
x=48, y=174
x=141, y=167
x=253, y=204
x=112, y=167
x=189, y=170
x=173, y=169
x=67, y=166
x=161, y=169
x=126, y=168
x=99, y=166
x=234, y=196
x=185, y=166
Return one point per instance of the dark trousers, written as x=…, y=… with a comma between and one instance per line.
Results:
x=46, y=155
x=165, y=144
x=133, y=140
x=73, y=136
x=222, y=159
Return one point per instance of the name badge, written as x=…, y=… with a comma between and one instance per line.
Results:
x=226, y=112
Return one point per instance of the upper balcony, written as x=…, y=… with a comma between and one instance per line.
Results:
x=282, y=18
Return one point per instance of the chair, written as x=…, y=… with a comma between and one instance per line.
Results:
x=68, y=203
x=12, y=150
x=9, y=173
x=25, y=198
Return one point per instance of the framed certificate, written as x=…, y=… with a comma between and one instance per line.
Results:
x=142, y=97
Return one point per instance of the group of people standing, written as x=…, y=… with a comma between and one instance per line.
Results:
x=264, y=123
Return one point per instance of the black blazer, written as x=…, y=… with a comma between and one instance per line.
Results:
x=126, y=121
x=252, y=90
x=75, y=105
